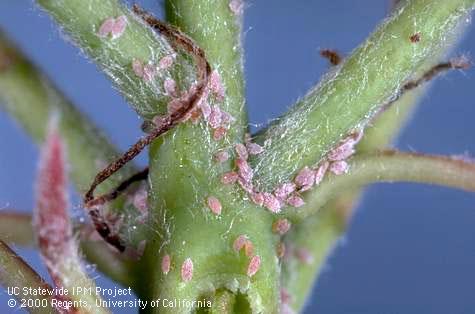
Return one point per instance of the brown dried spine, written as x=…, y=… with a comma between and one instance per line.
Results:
x=189, y=102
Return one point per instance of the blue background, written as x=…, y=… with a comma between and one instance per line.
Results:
x=409, y=249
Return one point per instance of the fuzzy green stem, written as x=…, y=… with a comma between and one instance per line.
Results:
x=81, y=19
x=16, y=273
x=333, y=218
x=16, y=228
x=391, y=166
x=187, y=227
x=348, y=98
x=31, y=98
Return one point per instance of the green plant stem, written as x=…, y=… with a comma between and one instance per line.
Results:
x=183, y=174
x=16, y=228
x=31, y=99
x=348, y=98
x=333, y=218
x=392, y=166
x=16, y=273
x=81, y=19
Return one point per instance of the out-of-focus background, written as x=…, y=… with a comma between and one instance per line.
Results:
x=409, y=249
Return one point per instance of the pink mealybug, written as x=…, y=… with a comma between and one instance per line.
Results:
x=254, y=265
x=221, y=156
x=271, y=202
x=246, y=185
x=248, y=248
x=216, y=85
x=254, y=149
x=295, y=201
x=187, y=270
x=284, y=296
x=149, y=72
x=229, y=177
x=244, y=170
x=170, y=87
x=214, y=118
x=239, y=242
x=166, y=262
x=305, y=179
x=257, y=198
x=284, y=190
x=281, y=226
x=106, y=27
x=166, y=62
x=205, y=108
x=342, y=151
x=140, y=200
x=215, y=205
x=304, y=256
x=219, y=133
x=119, y=26
x=321, y=171
x=241, y=151
x=137, y=67
x=236, y=6
x=339, y=167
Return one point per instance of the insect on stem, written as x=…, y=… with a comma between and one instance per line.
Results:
x=189, y=102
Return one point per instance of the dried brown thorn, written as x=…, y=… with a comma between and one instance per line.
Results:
x=188, y=101
x=332, y=55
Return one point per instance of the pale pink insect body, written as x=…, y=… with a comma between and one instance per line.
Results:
x=214, y=205
x=339, y=167
x=239, y=242
x=295, y=201
x=281, y=226
x=166, y=262
x=229, y=177
x=187, y=270
x=254, y=265
x=305, y=179
x=272, y=203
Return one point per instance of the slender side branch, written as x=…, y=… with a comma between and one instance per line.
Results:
x=15, y=272
x=390, y=166
x=347, y=99
x=86, y=22
x=31, y=98
x=16, y=228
